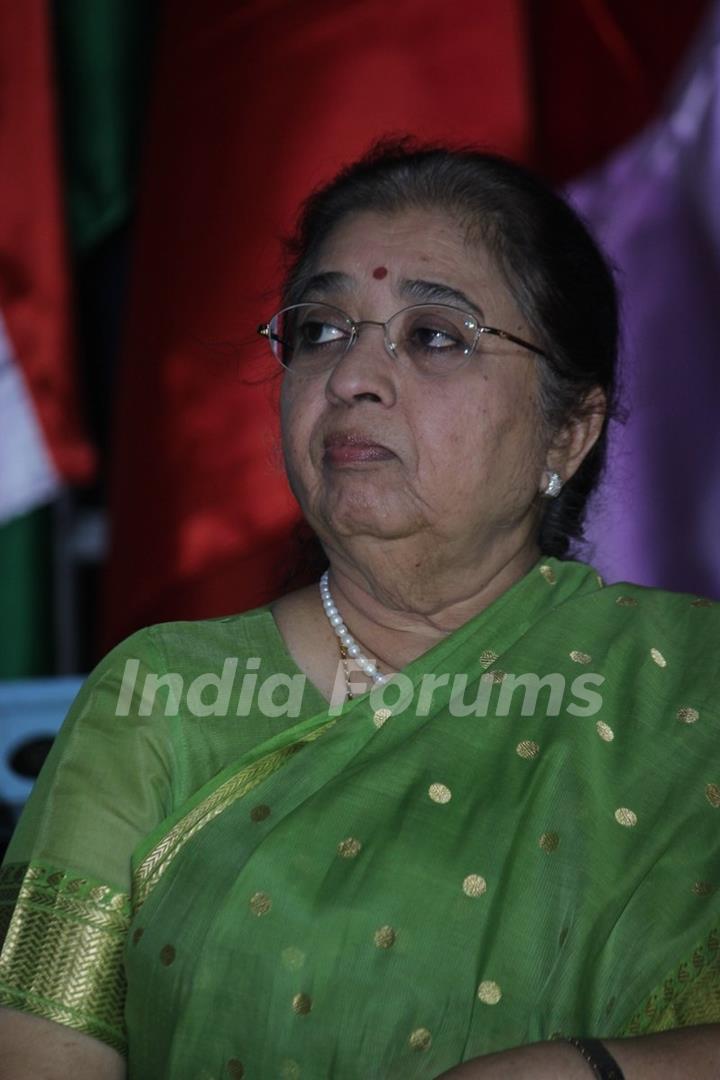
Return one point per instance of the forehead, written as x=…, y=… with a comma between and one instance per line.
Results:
x=420, y=244
x=429, y=237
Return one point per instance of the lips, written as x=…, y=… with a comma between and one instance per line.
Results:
x=350, y=447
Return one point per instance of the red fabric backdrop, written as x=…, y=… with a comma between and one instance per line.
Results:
x=255, y=104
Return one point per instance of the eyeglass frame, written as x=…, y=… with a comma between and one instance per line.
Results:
x=355, y=324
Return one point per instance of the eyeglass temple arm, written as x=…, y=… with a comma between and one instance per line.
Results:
x=511, y=337
x=264, y=331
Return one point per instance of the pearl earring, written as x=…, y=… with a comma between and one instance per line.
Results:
x=553, y=486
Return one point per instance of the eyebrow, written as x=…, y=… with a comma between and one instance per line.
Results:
x=328, y=281
x=427, y=292
x=433, y=292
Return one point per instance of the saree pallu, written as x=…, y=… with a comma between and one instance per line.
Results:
x=387, y=891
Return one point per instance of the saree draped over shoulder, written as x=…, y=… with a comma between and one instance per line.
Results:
x=222, y=876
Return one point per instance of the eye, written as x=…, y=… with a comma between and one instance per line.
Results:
x=433, y=337
x=313, y=332
x=437, y=338
x=434, y=332
x=312, y=335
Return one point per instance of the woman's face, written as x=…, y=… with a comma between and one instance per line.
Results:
x=376, y=452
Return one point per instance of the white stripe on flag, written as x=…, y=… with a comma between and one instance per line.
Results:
x=28, y=477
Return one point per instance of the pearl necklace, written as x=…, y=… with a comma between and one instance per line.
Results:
x=348, y=644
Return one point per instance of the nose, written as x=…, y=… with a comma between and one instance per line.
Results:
x=365, y=372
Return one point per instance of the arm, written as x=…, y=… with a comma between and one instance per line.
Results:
x=65, y=886
x=691, y=1052
x=31, y=1047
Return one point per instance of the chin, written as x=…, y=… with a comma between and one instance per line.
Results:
x=351, y=511
x=356, y=522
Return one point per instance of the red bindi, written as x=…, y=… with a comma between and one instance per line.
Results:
x=380, y=272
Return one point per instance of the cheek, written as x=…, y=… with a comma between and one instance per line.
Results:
x=489, y=433
x=453, y=434
x=301, y=412
x=299, y=402
x=295, y=428
x=517, y=407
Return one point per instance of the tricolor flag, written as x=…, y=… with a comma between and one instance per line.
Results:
x=42, y=444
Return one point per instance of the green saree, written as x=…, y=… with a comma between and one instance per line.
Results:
x=383, y=892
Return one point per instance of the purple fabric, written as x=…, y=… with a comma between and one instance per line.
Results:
x=655, y=207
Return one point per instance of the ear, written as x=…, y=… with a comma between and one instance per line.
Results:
x=571, y=445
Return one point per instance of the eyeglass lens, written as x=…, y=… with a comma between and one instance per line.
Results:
x=311, y=338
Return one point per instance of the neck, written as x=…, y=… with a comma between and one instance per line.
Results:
x=398, y=616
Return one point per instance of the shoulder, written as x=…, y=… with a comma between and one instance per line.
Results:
x=659, y=649
x=626, y=594
x=651, y=644
x=183, y=640
x=638, y=608
x=682, y=618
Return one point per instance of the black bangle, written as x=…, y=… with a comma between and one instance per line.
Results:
x=598, y=1057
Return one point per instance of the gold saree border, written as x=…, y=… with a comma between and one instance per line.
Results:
x=689, y=995
x=62, y=955
x=152, y=867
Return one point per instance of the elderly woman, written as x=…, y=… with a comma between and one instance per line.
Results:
x=456, y=810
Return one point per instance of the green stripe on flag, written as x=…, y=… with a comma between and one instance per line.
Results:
x=26, y=628
x=103, y=55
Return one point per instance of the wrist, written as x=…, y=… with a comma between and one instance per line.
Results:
x=541, y=1061
x=597, y=1056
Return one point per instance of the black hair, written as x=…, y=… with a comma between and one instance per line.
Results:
x=554, y=269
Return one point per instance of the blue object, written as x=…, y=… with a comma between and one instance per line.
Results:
x=29, y=709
